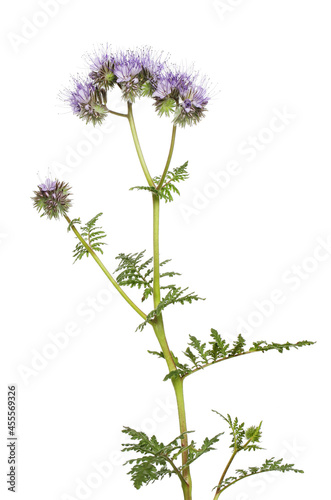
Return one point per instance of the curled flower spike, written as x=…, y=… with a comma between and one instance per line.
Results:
x=127, y=68
x=153, y=65
x=183, y=94
x=101, y=68
x=87, y=101
x=52, y=199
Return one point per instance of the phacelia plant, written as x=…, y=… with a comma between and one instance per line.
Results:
x=183, y=96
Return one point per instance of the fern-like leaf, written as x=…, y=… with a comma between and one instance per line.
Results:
x=175, y=295
x=92, y=235
x=247, y=440
x=168, y=189
x=74, y=221
x=207, y=445
x=156, y=459
x=134, y=271
x=270, y=465
x=201, y=357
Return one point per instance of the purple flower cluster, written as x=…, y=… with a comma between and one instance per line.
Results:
x=87, y=101
x=52, y=199
x=185, y=93
x=127, y=68
x=179, y=93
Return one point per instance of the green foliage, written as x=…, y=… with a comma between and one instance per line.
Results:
x=207, y=445
x=92, y=235
x=157, y=460
x=74, y=221
x=134, y=271
x=252, y=434
x=263, y=346
x=202, y=356
x=168, y=188
x=180, y=369
x=246, y=440
x=175, y=295
x=269, y=465
x=158, y=354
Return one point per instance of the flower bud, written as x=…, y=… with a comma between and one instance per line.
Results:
x=52, y=198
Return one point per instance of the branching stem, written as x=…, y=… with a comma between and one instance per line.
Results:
x=177, y=472
x=138, y=148
x=235, y=451
x=107, y=273
x=218, y=361
x=171, y=150
x=157, y=324
x=117, y=114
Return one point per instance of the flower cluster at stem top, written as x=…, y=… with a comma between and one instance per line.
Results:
x=181, y=94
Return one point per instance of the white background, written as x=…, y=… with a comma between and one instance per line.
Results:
x=237, y=245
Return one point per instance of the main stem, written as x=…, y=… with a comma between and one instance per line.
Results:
x=160, y=334
x=158, y=325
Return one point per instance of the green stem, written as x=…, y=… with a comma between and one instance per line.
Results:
x=179, y=392
x=202, y=367
x=177, y=472
x=160, y=334
x=166, y=168
x=117, y=114
x=157, y=324
x=107, y=273
x=138, y=148
x=240, y=479
x=156, y=250
x=235, y=451
x=218, y=491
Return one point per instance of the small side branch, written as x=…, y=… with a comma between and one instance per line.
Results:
x=107, y=273
x=138, y=147
x=171, y=150
x=176, y=470
x=117, y=114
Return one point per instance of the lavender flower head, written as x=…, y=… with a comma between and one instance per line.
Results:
x=153, y=65
x=86, y=101
x=127, y=67
x=179, y=93
x=183, y=93
x=52, y=199
x=101, y=65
